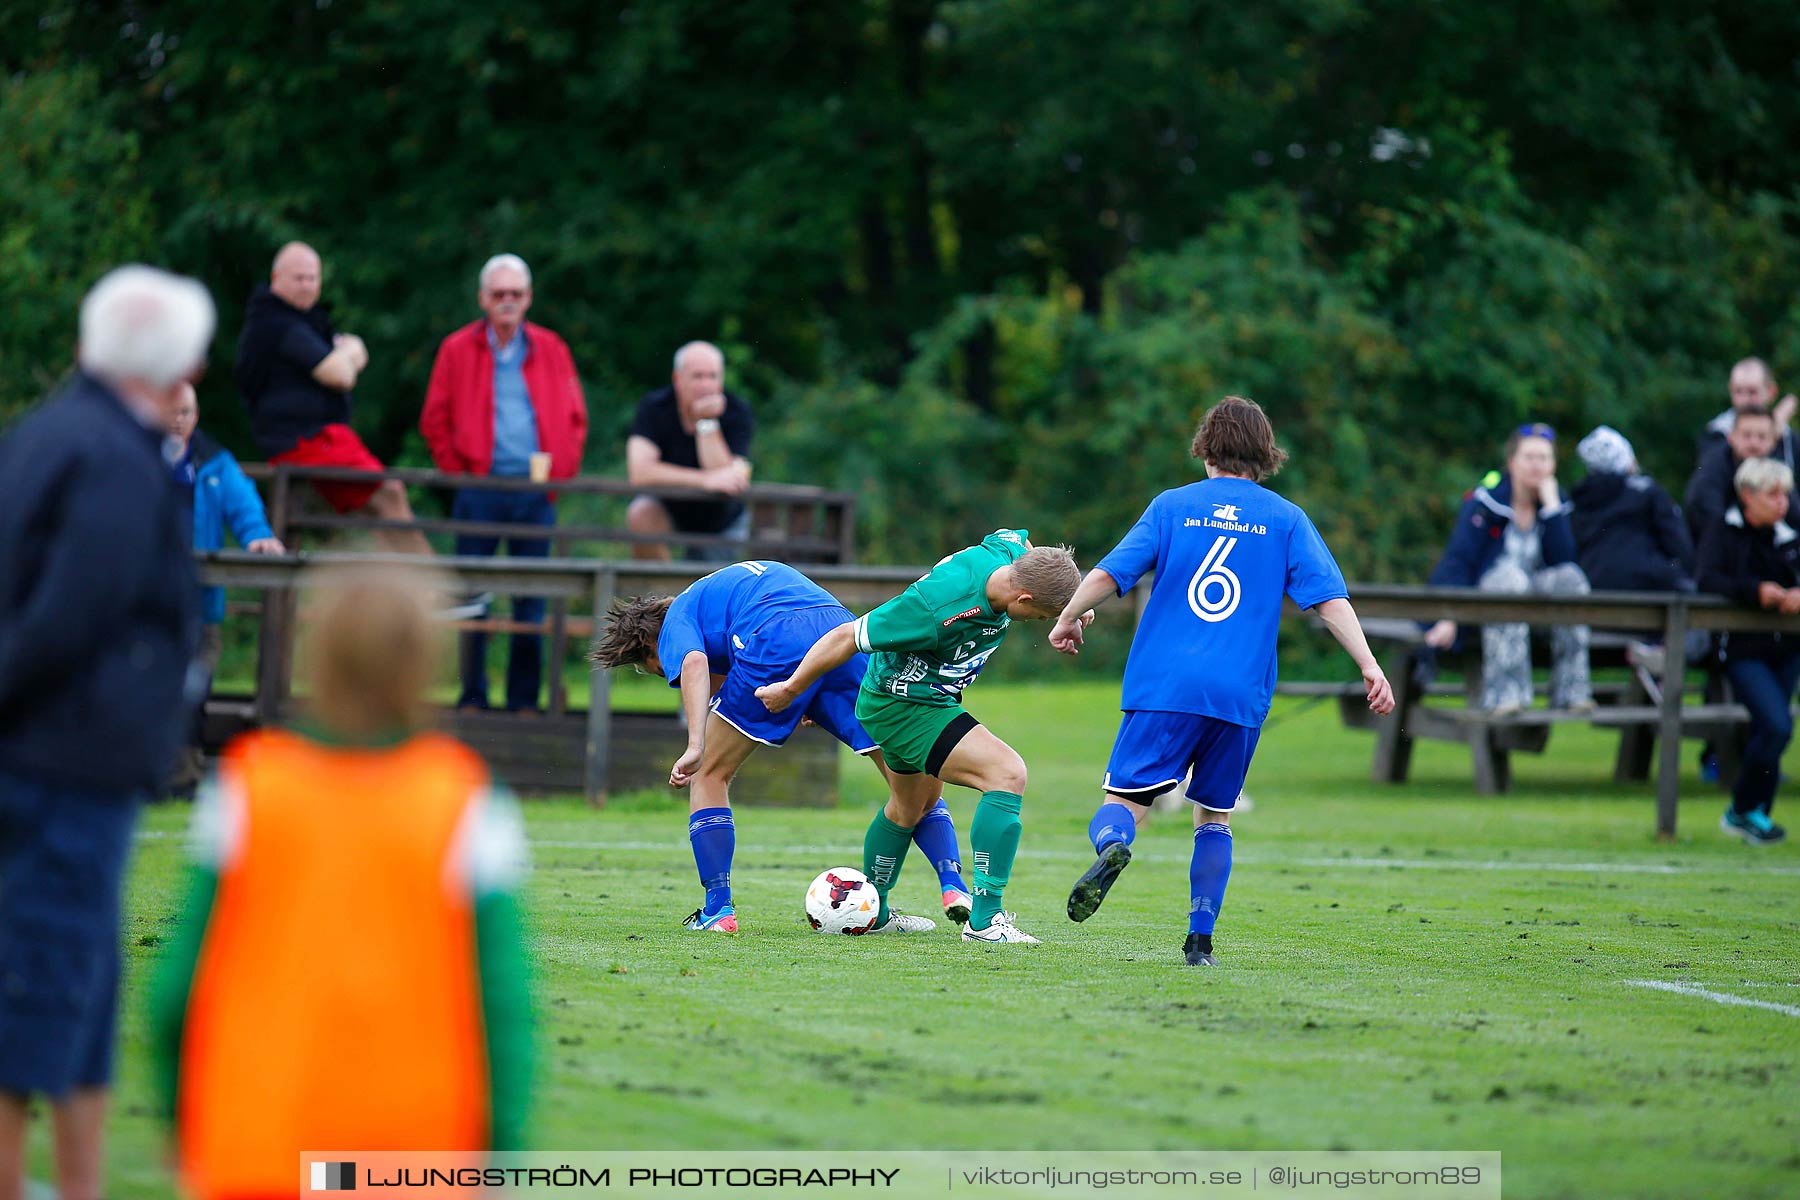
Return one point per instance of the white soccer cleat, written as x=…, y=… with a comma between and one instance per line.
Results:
x=899, y=922
x=1002, y=931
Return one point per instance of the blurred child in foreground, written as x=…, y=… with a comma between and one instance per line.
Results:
x=349, y=972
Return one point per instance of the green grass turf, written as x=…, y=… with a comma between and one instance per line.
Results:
x=1403, y=968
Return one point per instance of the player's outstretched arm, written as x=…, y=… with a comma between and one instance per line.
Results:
x=1096, y=589
x=1340, y=618
x=696, y=693
x=827, y=654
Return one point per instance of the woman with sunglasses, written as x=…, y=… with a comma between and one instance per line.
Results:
x=1513, y=535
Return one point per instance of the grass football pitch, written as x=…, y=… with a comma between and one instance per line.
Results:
x=1408, y=967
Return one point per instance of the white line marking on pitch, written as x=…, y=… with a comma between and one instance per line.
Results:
x=1145, y=854
x=1689, y=989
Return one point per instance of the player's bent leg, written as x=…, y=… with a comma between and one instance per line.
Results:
x=889, y=837
x=980, y=760
x=712, y=832
x=1114, y=826
x=935, y=835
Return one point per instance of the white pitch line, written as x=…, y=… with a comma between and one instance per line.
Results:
x=1143, y=853
x=1689, y=989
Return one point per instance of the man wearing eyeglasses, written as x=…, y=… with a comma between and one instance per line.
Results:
x=505, y=401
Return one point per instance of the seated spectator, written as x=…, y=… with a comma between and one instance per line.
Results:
x=1751, y=555
x=1712, y=490
x=1513, y=535
x=504, y=393
x=692, y=434
x=223, y=498
x=351, y=910
x=1752, y=385
x=1629, y=535
x=295, y=373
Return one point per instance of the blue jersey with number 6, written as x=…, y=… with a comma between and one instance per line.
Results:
x=1225, y=552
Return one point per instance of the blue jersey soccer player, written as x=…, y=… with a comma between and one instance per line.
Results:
x=1202, y=665
x=737, y=629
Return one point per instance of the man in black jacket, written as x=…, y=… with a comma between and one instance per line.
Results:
x=98, y=623
x=1710, y=491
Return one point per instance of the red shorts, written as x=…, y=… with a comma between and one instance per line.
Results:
x=335, y=446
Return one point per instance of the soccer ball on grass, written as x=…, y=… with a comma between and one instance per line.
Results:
x=842, y=900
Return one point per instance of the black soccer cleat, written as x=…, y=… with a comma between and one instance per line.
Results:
x=1091, y=888
x=1198, y=951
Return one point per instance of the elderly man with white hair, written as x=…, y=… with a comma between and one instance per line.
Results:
x=99, y=611
x=504, y=400
x=691, y=434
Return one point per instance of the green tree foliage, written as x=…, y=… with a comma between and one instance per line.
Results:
x=981, y=260
x=58, y=230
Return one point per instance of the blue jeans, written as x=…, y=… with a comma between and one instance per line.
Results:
x=1765, y=686
x=525, y=658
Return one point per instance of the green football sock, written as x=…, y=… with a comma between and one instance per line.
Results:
x=994, y=836
x=884, y=850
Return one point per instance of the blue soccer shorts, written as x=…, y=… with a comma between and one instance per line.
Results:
x=770, y=655
x=1155, y=750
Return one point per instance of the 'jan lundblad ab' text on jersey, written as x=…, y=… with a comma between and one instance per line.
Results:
x=718, y=613
x=1225, y=551
x=931, y=641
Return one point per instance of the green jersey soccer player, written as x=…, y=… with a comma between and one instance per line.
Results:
x=928, y=644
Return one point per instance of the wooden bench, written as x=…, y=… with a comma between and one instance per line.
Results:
x=1632, y=708
x=1492, y=739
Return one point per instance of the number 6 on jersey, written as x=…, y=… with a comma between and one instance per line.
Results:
x=1213, y=571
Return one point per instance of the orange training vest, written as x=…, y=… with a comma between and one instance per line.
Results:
x=336, y=1002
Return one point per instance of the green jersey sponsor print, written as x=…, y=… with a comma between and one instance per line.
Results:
x=931, y=641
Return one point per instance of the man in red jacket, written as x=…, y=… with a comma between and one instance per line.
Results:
x=505, y=400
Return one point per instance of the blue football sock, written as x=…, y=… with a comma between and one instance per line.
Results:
x=714, y=839
x=935, y=836
x=1207, y=875
x=1113, y=822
